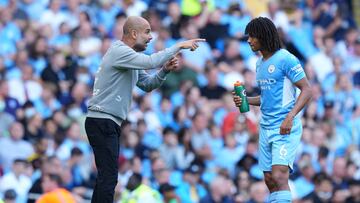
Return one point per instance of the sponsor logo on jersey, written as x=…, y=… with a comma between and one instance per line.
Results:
x=265, y=84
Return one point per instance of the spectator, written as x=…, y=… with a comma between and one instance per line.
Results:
x=6, y=118
x=49, y=165
x=321, y=61
x=106, y=15
x=63, y=39
x=53, y=16
x=21, y=60
x=243, y=182
x=200, y=136
x=175, y=19
x=11, y=104
x=170, y=150
x=214, y=23
x=190, y=190
x=186, y=148
x=38, y=54
x=212, y=91
x=10, y=30
x=277, y=15
x=216, y=141
x=160, y=174
x=134, y=7
x=340, y=195
x=341, y=21
x=354, y=187
x=165, y=112
x=52, y=186
x=197, y=59
x=10, y=196
x=219, y=192
x=58, y=71
x=79, y=98
x=73, y=139
x=339, y=173
x=17, y=180
x=33, y=129
x=26, y=88
x=47, y=104
x=258, y=192
x=88, y=43
x=345, y=47
x=303, y=184
x=331, y=78
x=230, y=154
x=323, y=191
x=74, y=164
x=168, y=193
x=73, y=10
x=352, y=62
x=14, y=147
x=300, y=34
x=175, y=79
x=139, y=192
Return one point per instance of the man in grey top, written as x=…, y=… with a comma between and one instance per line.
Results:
x=122, y=68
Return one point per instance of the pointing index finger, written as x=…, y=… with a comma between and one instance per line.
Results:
x=200, y=40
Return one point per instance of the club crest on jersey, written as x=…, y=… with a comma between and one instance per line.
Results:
x=271, y=68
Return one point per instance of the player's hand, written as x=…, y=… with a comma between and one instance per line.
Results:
x=286, y=125
x=237, y=99
x=172, y=64
x=191, y=44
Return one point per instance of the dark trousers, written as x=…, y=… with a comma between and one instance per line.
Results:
x=103, y=135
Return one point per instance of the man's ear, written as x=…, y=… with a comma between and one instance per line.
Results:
x=134, y=34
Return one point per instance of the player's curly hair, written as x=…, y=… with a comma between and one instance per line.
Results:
x=265, y=31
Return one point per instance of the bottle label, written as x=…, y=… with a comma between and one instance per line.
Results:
x=243, y=93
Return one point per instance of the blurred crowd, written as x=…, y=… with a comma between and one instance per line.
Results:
x=185, y=142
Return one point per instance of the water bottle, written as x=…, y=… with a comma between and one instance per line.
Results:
x=241, y=92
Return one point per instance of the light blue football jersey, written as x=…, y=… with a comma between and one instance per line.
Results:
x=275, y=77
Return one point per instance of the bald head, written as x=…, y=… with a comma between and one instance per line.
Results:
x=135, y=23
x=137, y=33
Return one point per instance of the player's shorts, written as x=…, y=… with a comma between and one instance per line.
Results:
x=276, y=149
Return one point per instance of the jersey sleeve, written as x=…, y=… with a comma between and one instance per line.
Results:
x=293, y=69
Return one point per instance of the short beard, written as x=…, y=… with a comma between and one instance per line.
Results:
x=138, y=47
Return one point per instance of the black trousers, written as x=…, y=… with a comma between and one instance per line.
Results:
x=103, y=135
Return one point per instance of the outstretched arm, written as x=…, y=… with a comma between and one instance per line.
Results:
x=124, y=57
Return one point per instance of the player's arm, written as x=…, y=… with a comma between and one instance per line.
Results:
x=303, y=98
x=255, y=101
